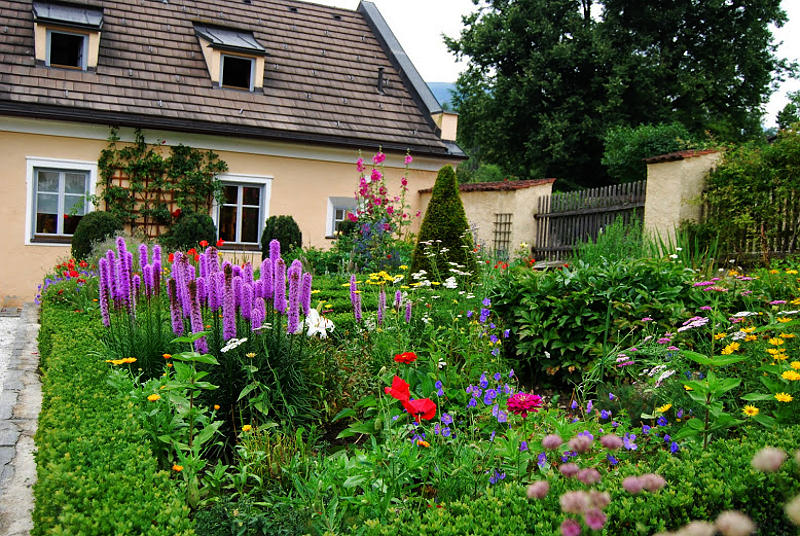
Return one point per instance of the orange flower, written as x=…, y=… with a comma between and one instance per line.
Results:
x=246, y=428
x=177, y=468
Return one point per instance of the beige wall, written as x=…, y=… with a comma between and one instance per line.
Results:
x=481, y=207
x=299, y=187
x=673, y=192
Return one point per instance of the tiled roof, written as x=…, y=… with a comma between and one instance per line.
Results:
x=320, y=82
x=496, y=186
x=679, y=155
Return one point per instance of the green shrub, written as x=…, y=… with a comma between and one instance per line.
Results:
x=627, y=147
x=93, y=227
x=616, y=242
x=96, y=471
x=445, y=225
x=283, y=229
x=190, y=229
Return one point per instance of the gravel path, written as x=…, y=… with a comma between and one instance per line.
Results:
x=8, y=330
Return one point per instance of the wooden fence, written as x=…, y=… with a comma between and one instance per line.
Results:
x=566, y=219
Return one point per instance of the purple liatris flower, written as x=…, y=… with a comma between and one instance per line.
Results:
x=353, y=290
x=175, y=307
x=247, y=273
x=104, y=291
x=156, y=254
x=357, y=307
x=274, y=250
x=246, y=306
x=268, y=279
x=196, y=319
x=156, y=275
x=228, y=306
x=381, y=305
x=258, y=314
x=237, y=290
x=398, y=299
x=279, y=297
x=305, y=294
x=142, y=256
x=408, y=311
x=147, y=276
x=294, y=274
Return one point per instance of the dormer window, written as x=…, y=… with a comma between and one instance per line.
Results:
x=67, y=35
x=235, y=59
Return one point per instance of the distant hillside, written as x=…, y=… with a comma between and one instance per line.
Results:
x=442, y=91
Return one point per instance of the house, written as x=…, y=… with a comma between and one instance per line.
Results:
x=286, y=92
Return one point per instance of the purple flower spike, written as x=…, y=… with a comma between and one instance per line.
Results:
x=142, y=256
x=258, y=314
x=294, y=274
x=228, y=306
x=104, y=291
x=357, y=308
x=381, y=305
x=279, y=297
x=353, y=290
x=268, y=279
x=237, y=291
x=196, y=319
x=246, y=306
x=247, y=273
x=274, y=250
x=175, y=307
x=305, y=295
x=408, y=312
x=398, y=299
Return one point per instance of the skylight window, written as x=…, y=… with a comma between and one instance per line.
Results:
x=235, y=58
x=67, y=35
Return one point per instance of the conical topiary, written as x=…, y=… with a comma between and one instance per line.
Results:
x=444, y=231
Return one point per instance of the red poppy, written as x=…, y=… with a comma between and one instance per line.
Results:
x=220, y=242
x=398, y=390
x=171, y=257
x=83, y=264
x=423, y=408
x=192, y=252
x=405, y=357
x=197, y=258
x=203, y=243
x=176, y=213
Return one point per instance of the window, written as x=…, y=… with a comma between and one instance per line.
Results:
x=502, y=234
x=237, y=72
x=58, y=197
x=241, y=214
x=338, y=207
x=67, y=35
x=66, y=49
x=235, y=59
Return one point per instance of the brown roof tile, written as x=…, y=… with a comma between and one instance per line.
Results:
x=678, y=155
x=496, y=186
x=318, y=70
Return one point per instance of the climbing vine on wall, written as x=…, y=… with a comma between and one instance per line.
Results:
x=147, y=190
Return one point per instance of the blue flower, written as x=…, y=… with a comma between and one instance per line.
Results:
x=496, y=477
x=491, y=437
x=502, y=417
x=614, y=424
x=575, y=420
x=494, y=340
x=446, y=418
x=445, y=432
x=611, y=396
x=574, y=404
x=667, y=437
x=628, y=441
x=491, y=325
x=436, y=429
x=587, y=433
x=674, y=447
x=645, y=429
x=486, y=302
x=612, y=460
x=484, y=383
x=589, y=407
x=542, y=459
x=469, y=313
x=472, y=403
x=604, y=414
x=495, y=351
x=523, y=446
x=489, y=396
x=662, y=421
x=507, y=334
x=679, y=414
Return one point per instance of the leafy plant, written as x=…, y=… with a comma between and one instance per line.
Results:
x=93, y=227
x=283, y=229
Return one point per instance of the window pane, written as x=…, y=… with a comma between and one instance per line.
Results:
x=47, y=203
x=251, y=196
x=229, y=194
x=236, y=72
x=66, y=50
x=46, y=223
x=47, y=181
x=227, y=223
x=250, y=224
x=339, y=214
x=75, y=183
x=74, y=204
x=70, y=223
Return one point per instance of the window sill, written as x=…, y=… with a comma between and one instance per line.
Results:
x=52, y=239
x=233, y=246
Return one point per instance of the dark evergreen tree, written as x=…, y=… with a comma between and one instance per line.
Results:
x=444, y=230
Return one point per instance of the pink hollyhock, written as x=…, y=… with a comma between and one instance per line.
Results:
x=379, y=157
x=376, y=175
x=407, y=160
x=404, y=181
x=352, y=217
x=524, y=403
x=360, y=165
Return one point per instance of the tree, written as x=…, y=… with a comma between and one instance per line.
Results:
x=444, y=230
x=627, y=147
x=546, y=79
x=791, y=112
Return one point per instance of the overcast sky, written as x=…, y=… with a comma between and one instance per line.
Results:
x=419, y=25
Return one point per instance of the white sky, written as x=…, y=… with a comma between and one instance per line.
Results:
x=419, y=25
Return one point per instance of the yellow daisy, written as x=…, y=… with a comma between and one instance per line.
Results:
x=783, y=397
x=732, y=347
x=153, y=397
x=786, y=335
x=795, y=365
x=751, y=329
x=718, y=336
x=790, y=375
x=783, y=319
x=776, y=341
x=664, y=408
x=750, y=338
x=750, y=411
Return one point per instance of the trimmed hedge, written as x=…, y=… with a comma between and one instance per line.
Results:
x=700, y=485
x=96, y=472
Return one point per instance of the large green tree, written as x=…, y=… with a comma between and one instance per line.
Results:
x=546, y=79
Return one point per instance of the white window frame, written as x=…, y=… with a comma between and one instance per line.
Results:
x=346, y=203
x=84, y=49
x=252, y=61
x=235, y=179
x=36, y=162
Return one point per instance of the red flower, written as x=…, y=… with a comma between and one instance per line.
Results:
x=423, y=408
x=171, y=257
x=524, y=403
x=83, y=264
x=176, y=213
x=220, y=242
x=203, y=243
x=398, y=390
x=192, y=252
x=405, y=357
x=197, y=258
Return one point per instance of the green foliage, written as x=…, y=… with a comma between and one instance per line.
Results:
x=616, y=242
x=96, y=471
x=542, y=110
x=752, y=194
x=188, y=174
x=791, y=112
x=283, y=229
x=580, y=313
x=474, y=171
x=93, y=227
x=188, y=231
x=239, y=518
x=627, y=147
x=444, y=223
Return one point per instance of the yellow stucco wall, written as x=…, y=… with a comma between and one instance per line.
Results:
x=481, y=207
x=673, y=192
x=299, y=187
